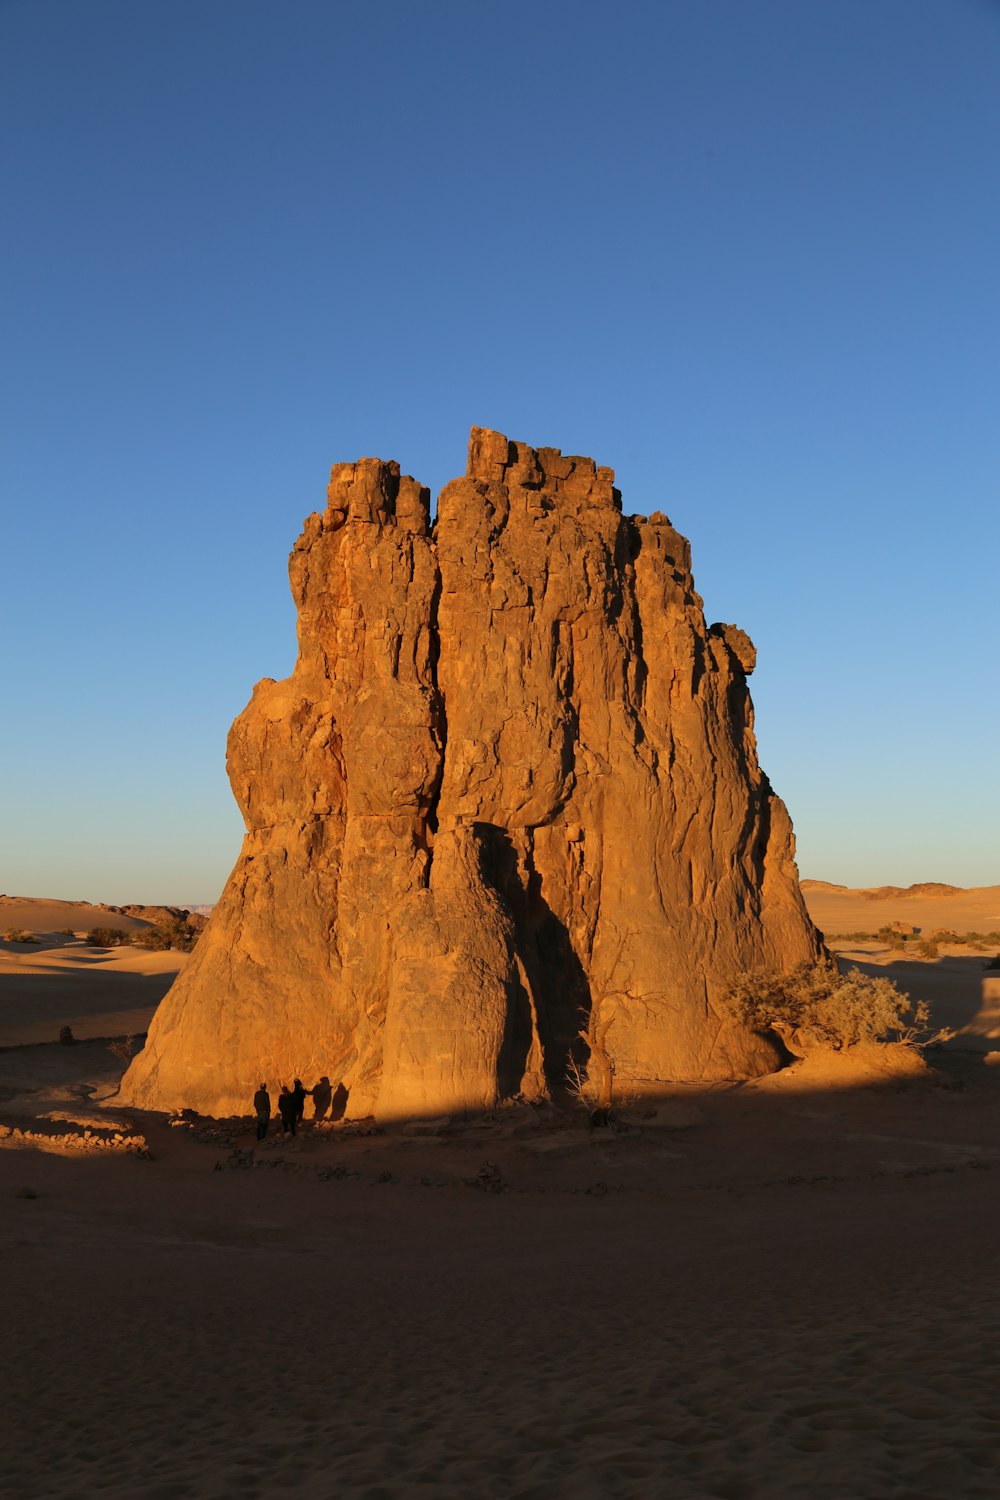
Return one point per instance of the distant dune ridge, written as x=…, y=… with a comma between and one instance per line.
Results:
x=928, y=905
x=40, y=914
x=888, y=892
x=509, y=794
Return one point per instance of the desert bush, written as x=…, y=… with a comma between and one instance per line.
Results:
x=123, y=1047
x=19, y=935
x=828, y=1008
x=892, y=937
x=108, y=937
x=66, y=1036
x=65, y=932
x=164, y=935
x=928, y=948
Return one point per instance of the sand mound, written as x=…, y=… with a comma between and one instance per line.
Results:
x=868, y=1065
x=41, y=915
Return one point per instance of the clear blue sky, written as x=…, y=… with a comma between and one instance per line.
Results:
x=744, y=251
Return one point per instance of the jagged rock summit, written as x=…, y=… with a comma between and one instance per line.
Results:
x=509, y=795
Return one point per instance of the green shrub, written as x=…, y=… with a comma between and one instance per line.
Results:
x=828, y=1008
x=108, y=937
x=164, y=935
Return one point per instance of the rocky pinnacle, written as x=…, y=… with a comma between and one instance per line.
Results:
x=504, y=819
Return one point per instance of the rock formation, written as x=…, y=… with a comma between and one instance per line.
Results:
x=508, y=796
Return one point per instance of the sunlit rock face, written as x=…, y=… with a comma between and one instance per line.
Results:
x=509, y=795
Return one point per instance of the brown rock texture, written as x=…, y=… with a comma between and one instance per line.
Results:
x=509, y=795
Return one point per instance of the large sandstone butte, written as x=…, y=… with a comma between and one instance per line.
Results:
x=509, y=795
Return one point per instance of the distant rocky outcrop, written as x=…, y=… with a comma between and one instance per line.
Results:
x=504, y=817
x=161, y=916
x=888, y=892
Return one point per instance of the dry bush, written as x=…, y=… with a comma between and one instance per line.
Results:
x=124, y=1048
x=176, y=934
x=19, y=935
x=817, y=1005
x=108, y=937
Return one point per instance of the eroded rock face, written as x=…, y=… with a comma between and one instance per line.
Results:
x=509, y=794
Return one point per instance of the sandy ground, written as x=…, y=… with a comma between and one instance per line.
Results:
x=61, y=981
x=836, y=909
x=961, y=991
x=760, y=1291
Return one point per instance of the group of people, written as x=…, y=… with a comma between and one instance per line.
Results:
x=292, y=1105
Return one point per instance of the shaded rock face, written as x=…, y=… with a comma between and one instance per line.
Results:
x=509, y=795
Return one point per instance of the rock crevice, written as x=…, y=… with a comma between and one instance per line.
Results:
x=508, y=799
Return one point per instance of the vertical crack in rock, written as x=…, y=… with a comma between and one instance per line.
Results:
x=441, y=715
x=509, y=795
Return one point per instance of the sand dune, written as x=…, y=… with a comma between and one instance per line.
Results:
x=96, y=991
x=837, y=909
x=962, y=992
x=38, y=914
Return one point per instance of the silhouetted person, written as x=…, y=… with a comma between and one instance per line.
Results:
x=299, y=1096
x=262, y=1109
x=286, y=1109
x=322, y=1093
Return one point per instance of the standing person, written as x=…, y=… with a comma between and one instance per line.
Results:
x=299, y=1098
x=262, y=1109
x=286, y=1109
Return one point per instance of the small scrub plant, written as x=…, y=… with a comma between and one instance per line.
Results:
x=593, y=1086
x=123, y=1047
x=817, y=1005
x=19, y=935
x=66, y=1036
x=166, y=935
x=928, y=948
x=108, y=937
x=65, y=932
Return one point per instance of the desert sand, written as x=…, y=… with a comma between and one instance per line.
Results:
x=61, y=981
x=767, y=1290
x=962, y=993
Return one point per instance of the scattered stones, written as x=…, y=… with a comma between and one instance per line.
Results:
x=74, y=1140
x=237, y=1161
x=489, y=1179
x=427, y=1127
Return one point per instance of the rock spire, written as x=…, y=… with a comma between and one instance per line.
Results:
x=508, y=796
